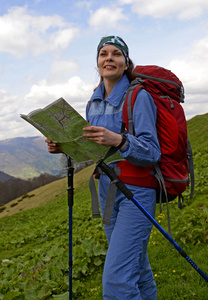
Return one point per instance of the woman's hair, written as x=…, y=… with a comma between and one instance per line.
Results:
x=129, y=73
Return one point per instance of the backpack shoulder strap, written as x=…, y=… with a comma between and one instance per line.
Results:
x=134, y=88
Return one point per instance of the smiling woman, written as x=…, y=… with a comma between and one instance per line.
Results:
x=127, y=272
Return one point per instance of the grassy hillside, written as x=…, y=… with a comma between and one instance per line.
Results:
x=34, y=241
x=198, y=132
x=44, y=194
x=35, y=198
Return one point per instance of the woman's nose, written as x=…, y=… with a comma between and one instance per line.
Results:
x=109, y=56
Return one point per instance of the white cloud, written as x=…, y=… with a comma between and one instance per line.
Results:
x=107, y=18
x=200, y=49
x=8, y=104
x=194, y=68
x=193, y=72
x=64, y=67
x=22, y=33
x=84, y=4
x=186, y=9
x=9, y=118
x=75, y=91
x=62, y=38
x=195, y=105
x=193, y=75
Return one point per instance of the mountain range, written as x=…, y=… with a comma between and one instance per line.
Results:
x=27, y=157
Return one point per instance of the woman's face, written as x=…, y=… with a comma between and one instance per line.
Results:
x=111, y=63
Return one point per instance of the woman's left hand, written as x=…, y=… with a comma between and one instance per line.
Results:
x=103, y=136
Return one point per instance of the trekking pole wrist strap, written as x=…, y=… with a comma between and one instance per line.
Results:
x=124, y=139
x=113, y=149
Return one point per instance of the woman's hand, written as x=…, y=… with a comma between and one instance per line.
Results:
x=52, y=147
x=103, y=136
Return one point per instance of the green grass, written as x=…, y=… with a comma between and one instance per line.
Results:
x=34, y=242
x=175, y=277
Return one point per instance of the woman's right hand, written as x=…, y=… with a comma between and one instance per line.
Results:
x=53, y=147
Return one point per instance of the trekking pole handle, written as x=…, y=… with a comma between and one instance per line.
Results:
x=114, y=179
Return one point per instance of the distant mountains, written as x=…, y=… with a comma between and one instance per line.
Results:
x=27, y=158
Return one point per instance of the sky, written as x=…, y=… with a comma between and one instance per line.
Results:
x=48, y=51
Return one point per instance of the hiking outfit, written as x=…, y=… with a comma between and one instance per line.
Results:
x=127, y=272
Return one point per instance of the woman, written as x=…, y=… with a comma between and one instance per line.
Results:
x=127, y=272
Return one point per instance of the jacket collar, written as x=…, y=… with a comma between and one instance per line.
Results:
x=116, y=94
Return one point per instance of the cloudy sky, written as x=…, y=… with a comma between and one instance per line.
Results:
x=48, y=50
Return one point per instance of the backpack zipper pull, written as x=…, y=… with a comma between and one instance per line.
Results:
x=171, y=102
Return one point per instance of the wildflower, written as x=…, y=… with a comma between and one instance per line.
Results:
x=155, y=275
x=5, y=260
x=174, y=271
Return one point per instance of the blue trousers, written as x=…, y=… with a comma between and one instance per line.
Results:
x=127, y=272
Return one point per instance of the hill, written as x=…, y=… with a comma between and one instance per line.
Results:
x=34, y=240
x=198, y=131
x=45, y=194
x=27, y=158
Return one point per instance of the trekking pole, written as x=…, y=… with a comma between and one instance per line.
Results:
x=129, y=195
x=70, y=189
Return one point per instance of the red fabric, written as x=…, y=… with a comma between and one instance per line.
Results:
x=172, y=133
x=136, y=175
x=167, y=136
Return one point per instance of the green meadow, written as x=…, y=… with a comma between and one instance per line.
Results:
x=34, y=239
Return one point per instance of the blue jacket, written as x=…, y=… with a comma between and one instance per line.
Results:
x=127, y=273
x=142, y=149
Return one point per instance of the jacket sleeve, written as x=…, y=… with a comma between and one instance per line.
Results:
x=143, y=149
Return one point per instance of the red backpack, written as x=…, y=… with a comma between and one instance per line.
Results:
x=171, y=175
